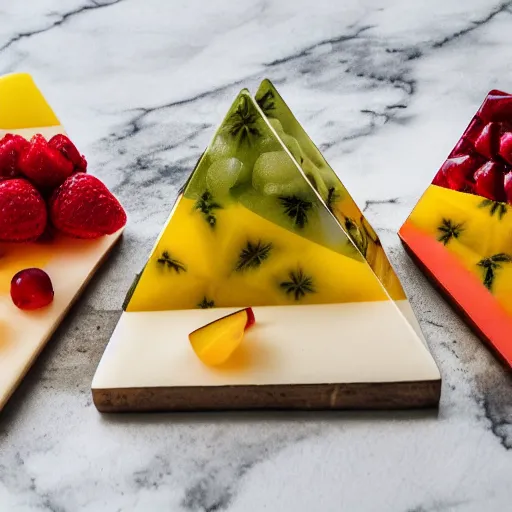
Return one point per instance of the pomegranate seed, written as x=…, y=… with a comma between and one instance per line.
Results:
x=508, y=186
x=473, y=130
x=31, y=289
x=487, y=142
x=458, y=171
x=506, y=147
x=496, y=107
x=463, y=147
x=489, y=181
x=440, y=179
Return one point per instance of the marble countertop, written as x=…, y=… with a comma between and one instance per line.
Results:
x=385, y=89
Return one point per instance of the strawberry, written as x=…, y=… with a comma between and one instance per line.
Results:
x=22, y=211
x=489, y=181
x=506, y=147
x=62, y=143
x=487, y=142
x=457, y=172
x=507, y=182
x=11, y=146
x=83, y=207
x=46, y=167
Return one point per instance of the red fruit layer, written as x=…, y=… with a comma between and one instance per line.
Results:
x=23, y=214
x=11, y=147
x=83, y=207
x=31, y=289
x=481, y=160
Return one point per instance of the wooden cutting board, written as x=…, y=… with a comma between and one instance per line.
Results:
x=69, y=262
x=327, y=356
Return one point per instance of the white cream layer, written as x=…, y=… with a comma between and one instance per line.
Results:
x=334, y=343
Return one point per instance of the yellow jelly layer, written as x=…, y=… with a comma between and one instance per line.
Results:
x=478, y=231
x=373, y=252
x=244, y=260
x=22, y=105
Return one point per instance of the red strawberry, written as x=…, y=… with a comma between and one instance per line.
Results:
x=83, y=207
x=22, y=211
x=457, y=172
x=489, y=181
x=11, y=147
x=506, y=147
x=62, y=143
x=43, y=165
x=508, y=186
x=487, y=142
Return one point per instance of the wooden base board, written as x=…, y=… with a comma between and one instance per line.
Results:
x=326, y=356
x=392, y=395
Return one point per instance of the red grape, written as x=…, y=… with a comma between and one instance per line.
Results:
x=31, y=289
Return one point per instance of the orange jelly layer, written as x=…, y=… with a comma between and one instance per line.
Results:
x=463, y=287
x=16, y=257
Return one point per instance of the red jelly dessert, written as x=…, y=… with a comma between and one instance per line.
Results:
x=460, y=232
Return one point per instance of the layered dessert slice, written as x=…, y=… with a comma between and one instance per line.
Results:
x=57, y=224
x=253, y=228
x=460, y=230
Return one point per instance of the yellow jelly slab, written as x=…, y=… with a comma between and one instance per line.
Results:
x=214, y=343
x=22, y=105
x=193, y=265
x=483, y=228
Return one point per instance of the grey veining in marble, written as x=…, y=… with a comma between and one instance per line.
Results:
x=385, y=88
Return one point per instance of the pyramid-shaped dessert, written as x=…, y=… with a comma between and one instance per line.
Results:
x=460, y=232
x=264, y=222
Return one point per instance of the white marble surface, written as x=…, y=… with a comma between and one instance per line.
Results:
x=385, y=88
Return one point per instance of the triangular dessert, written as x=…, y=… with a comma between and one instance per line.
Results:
x=254, y=226
x=459, y=233
x=247, y=223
